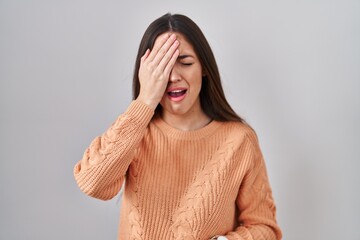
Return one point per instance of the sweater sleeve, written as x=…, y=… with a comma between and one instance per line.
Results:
x=101, y=171
x=257, y=211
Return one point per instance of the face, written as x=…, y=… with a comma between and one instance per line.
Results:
x=181, y=97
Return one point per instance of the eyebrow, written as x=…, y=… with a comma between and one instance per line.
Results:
x=184, y=56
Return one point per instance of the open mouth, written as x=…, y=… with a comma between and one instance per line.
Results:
x=177, y=93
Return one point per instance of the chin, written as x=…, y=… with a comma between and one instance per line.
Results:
x=177, y=112
x=174, y=110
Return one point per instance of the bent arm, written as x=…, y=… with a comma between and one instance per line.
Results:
x=257, y=209
x=101, y=171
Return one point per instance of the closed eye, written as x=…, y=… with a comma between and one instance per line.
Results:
x=187, y=64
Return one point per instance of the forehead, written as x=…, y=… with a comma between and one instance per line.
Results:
x=184, y=46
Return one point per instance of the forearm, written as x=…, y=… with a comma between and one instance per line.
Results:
x=102, y=169
x=257, y=210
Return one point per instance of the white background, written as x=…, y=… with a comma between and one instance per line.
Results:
x=290, y=68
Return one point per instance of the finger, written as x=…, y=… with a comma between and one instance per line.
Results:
x=168, y=56
x=171, y=62
x=161, y=52
x=158, y=44
x=145, y=56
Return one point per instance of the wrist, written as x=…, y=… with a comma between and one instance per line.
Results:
x=148, y=102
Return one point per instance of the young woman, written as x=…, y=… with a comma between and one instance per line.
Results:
x=192, y=167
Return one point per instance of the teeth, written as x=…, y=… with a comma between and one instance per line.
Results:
x=177, y=91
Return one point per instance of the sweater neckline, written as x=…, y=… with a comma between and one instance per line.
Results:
x=172, y=132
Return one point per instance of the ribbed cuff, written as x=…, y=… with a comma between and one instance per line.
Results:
x=140, y=111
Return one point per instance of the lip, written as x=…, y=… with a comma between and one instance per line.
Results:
x=179, y=98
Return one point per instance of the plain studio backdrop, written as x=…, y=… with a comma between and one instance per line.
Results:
x=290, y=68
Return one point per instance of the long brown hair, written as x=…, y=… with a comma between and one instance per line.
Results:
x=212, y=98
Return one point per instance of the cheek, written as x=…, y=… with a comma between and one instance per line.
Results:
x=197, y=82
x=195, y=77
x=195, y=89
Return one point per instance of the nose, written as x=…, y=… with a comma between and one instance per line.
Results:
x=174, y=75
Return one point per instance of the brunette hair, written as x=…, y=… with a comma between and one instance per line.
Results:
x=212, y=98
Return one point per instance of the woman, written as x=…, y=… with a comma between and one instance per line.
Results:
x=193, y=167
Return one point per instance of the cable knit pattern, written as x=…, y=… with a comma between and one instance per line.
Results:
x=202, y=196
x=181, y=185
x=135, y=220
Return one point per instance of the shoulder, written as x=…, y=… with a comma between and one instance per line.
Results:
x=240, y=129
x=242, y=136
x=246, y=143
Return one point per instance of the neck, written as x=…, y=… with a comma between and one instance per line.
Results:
x=189, y=122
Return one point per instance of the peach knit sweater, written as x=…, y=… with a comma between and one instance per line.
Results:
x=181, y=185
